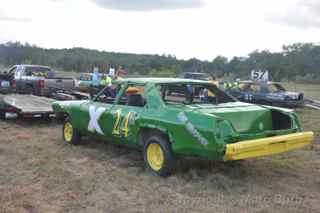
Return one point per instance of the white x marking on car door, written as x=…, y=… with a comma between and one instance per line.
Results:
x=95, y=114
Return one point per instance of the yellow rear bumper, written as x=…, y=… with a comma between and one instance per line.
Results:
x=267, y=146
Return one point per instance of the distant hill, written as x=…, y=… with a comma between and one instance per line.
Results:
x=300, y=60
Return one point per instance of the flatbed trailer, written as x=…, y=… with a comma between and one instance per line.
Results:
x=26, y=106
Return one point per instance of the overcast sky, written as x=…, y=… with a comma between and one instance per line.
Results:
x=185, y=28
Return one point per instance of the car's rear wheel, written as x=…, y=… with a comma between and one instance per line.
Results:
x=158, y=156
x=69, y=133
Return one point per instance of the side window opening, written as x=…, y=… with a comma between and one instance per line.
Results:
x=245, y=87
x=133, y=96
x=274, y=88
x=108, y=94
x=11, y=73
x=193, y=94
x=37, y=71
x=255, y=88
x=12, y=70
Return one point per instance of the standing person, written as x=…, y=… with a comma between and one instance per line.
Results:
x=95, y=77
x=51, y=73
x=112, y=73
x=120, y=73
x=106, y=81
x=95, y=82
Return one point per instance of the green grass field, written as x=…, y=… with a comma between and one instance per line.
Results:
x=40, y=173
x=309, y=118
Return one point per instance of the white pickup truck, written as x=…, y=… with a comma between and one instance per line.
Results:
x=37, y=80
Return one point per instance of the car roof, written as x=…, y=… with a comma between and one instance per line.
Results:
x=34, y=65
x=160, y=80
x=197, y=73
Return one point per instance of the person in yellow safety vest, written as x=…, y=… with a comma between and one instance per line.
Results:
x=236, y=85
x=227, y=85
x=105, y=81
x=231, y=85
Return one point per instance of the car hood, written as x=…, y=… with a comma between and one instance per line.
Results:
x=285, y=94
x=60, y=105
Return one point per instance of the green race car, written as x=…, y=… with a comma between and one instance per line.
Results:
x=145, y=113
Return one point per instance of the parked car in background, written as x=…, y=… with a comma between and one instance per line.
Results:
x=196, y=76
x=36, y=79
x=143, y=114
x=5, y=86
x=266, y=93
x=85, y=81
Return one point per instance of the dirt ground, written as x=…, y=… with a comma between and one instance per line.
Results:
x=39, y=173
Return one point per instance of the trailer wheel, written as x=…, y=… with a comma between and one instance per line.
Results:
x=69, y=133
x=2, y=114
x=158, y=156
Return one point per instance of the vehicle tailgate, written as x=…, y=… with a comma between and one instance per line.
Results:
x=65, y=83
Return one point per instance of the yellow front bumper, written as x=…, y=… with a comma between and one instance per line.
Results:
x=267, y=146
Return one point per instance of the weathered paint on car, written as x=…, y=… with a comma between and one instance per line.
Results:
x=203, y=130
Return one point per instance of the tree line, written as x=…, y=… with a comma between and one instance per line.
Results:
x=293, y=62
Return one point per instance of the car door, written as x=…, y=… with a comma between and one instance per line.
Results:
x=255, y=93
x=248, y=93
x=113, y=119
x=263, y=94
x=94, y=116
x=126, y=113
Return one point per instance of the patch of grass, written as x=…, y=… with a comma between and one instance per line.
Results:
x=309, y=119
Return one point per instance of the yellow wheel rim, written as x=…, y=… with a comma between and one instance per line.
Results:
x=68, y=131
x=155, y=156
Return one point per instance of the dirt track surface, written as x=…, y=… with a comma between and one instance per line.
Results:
x=39, y=173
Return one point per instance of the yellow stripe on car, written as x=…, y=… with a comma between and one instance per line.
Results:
x=267, y=146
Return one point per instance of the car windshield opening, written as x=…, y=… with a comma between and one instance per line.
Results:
x=276, y=88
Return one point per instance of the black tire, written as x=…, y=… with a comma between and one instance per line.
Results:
x=2, y=114
x=167, y=164
x=60, y=117
x=74, y=136
x=47, y=118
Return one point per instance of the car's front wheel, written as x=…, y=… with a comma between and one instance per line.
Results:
x=69, y=133
x=158, y=156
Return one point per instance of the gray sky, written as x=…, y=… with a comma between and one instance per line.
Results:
x=185, y=28
x=149, y=5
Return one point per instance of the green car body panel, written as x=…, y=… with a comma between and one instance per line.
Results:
x=201, y=130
